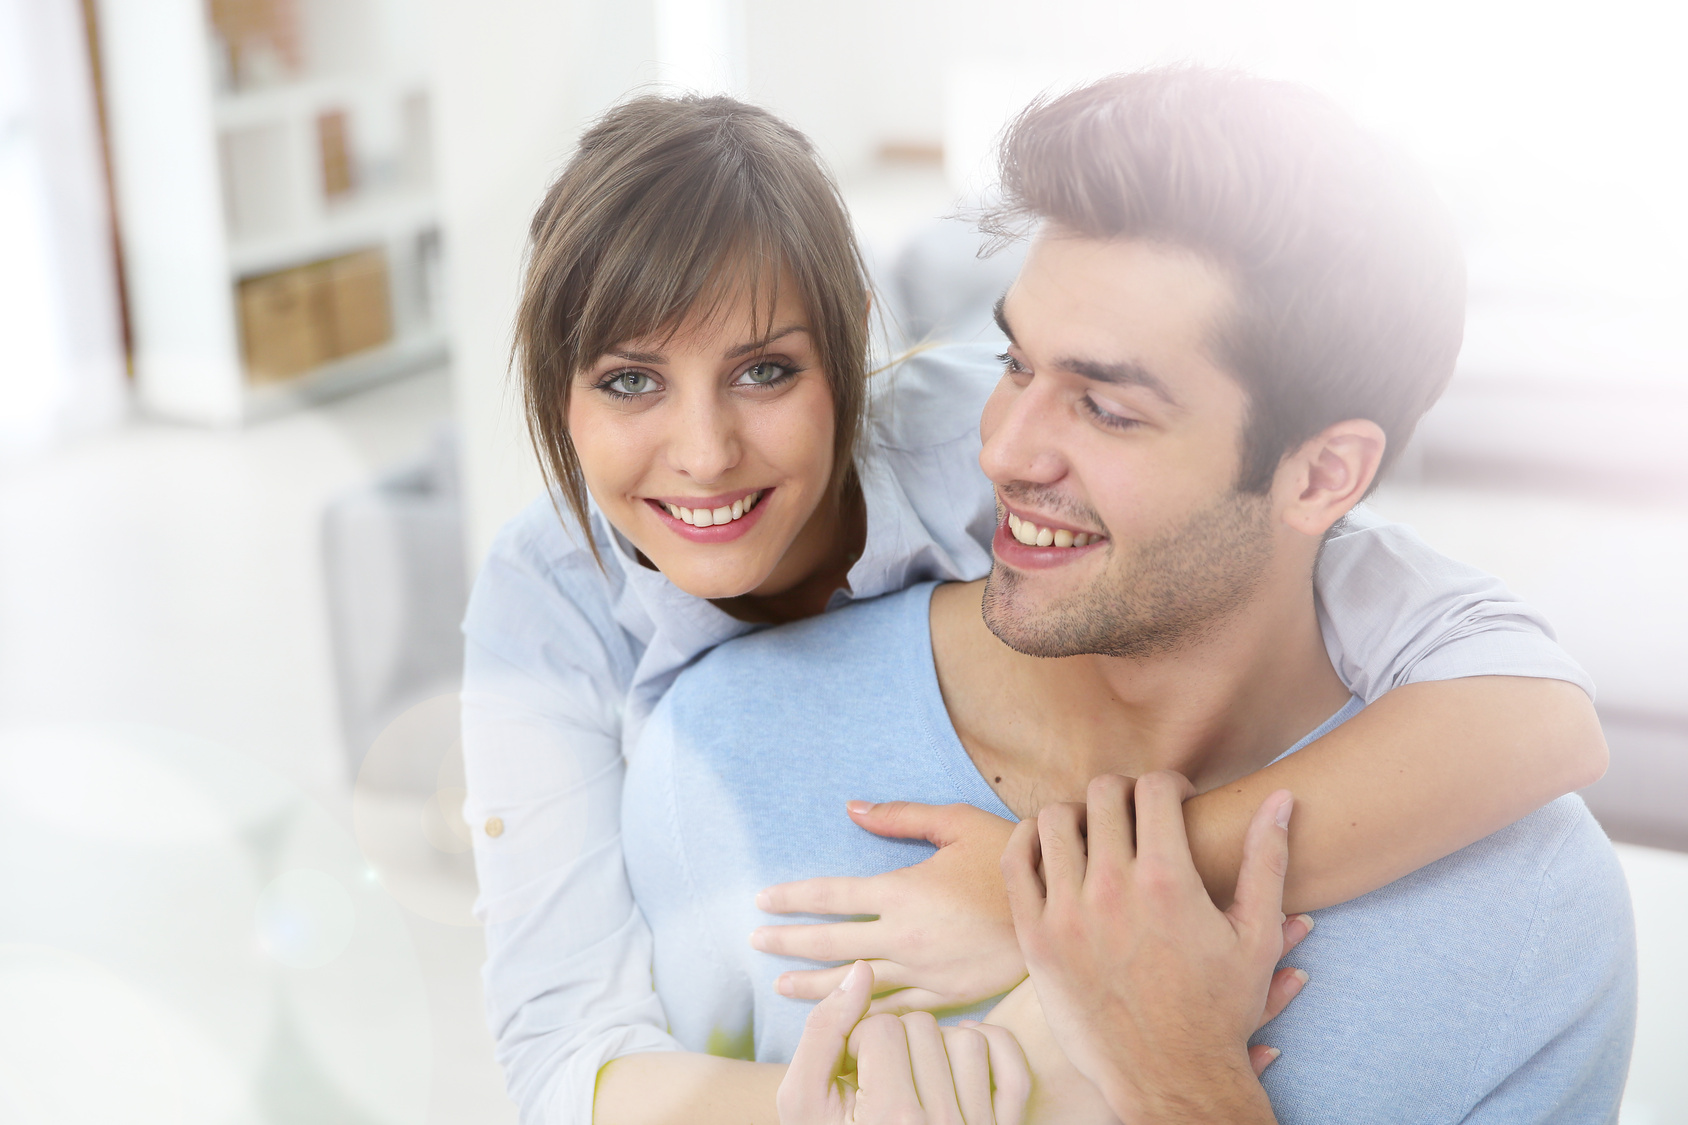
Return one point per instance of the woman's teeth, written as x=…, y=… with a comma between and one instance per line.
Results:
x=710, y=517
x=1032, y=535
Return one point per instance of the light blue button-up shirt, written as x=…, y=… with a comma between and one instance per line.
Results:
x=565, y=661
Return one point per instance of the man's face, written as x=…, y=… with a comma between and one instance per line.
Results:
x=1115, y=430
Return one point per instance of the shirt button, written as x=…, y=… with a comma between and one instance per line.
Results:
x=494, y=826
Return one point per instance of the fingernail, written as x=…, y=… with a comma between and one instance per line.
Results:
x=764, y=900
x=1284, y=810
x=1299, y=974
x=859, y=808
x=1306, y=920
x=854, y=976
x=1272, y=1054
x=756, y=939
x=784, y=987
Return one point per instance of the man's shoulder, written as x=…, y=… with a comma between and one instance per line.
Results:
x=824, y=674
x=1504, y=971
x=853, y=634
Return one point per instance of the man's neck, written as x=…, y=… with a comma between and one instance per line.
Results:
x=1213, y=708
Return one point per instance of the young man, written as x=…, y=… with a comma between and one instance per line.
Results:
x=1211, y=360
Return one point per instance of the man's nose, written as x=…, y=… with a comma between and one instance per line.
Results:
x=1020, y=430
x=703, y=442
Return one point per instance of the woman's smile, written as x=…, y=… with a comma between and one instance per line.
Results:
x=711, y=519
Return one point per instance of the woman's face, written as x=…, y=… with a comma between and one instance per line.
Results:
x=711, y=449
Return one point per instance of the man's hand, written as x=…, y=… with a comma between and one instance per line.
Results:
x=1148, y=988
x=943, y=938
x=908, y=1071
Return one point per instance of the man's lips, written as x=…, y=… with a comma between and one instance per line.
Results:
x=1032, y=543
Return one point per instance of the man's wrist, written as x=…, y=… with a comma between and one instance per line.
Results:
x=1190, y=1094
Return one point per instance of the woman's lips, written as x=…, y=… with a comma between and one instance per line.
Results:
x=720, y=523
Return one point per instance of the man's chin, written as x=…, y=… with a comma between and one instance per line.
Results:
x=1019, y=614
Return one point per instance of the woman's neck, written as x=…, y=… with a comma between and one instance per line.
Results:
x=822, y=554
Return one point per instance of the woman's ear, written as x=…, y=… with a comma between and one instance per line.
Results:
x=1330, y=474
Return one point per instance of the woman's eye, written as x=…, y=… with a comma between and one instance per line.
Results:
x=763, y=374
x=629, y=383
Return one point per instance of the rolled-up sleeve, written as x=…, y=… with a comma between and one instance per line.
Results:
x=1394, y=611
x=568, y=970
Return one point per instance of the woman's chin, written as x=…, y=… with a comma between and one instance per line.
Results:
x=715, y=585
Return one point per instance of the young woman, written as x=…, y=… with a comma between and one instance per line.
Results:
x=693, y=342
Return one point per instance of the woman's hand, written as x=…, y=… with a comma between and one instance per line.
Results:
x=907, y=1070
x=944, y=937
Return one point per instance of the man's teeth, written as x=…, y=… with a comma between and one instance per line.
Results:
x=1032, y=535
x=710, y=517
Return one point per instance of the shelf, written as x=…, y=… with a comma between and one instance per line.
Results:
x=344, y=228
x=306, y=97
x=344, y=376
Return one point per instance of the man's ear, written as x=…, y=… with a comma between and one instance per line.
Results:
x=1319, y=482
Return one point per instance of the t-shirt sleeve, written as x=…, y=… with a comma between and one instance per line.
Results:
x=1394, y=611
x=568, y=970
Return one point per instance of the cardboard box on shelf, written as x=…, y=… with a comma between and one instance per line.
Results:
x=359, y=310
x=337, y=179
x=261, y=39
x=281, y=327
x=297, y=319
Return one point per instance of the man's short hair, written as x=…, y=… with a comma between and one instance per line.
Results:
x=1349, y=278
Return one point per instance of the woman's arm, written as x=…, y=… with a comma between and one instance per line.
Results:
x=683, y=1088
x=568, y=970
x=1418, y=775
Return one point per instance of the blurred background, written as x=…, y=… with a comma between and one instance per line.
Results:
x=258, y=260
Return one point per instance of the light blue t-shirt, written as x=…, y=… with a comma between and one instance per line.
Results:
x=1497, y=985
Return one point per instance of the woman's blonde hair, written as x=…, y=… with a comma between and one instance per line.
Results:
x=669, y=207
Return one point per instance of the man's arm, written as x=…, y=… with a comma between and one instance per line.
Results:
x=1146, y=987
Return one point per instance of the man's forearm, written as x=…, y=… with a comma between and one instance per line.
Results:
x=1224, y=1091
x=684, y=1088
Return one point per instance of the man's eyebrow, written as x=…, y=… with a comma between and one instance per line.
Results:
x=1001, y=318
x=1122, y=373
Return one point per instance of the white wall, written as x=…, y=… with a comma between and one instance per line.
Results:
x=61, y=352
x=515, y=80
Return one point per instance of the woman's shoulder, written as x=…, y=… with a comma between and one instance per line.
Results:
x=933, y=396
x=540, y=566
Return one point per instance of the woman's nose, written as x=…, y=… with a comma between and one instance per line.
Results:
x=704, y=442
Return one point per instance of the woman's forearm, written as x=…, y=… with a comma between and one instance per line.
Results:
x=1426, y=770
x=684, y=1088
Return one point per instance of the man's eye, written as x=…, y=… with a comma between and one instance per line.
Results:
x=763, y=374
x=1107, y=417
x=1014, y=366
x=629, y=383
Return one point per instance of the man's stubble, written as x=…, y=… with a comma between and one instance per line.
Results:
x=1155, y=595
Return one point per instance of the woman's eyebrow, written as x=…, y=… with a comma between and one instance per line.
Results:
x=758, y=345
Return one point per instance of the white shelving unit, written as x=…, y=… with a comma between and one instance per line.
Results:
x=223, y=176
